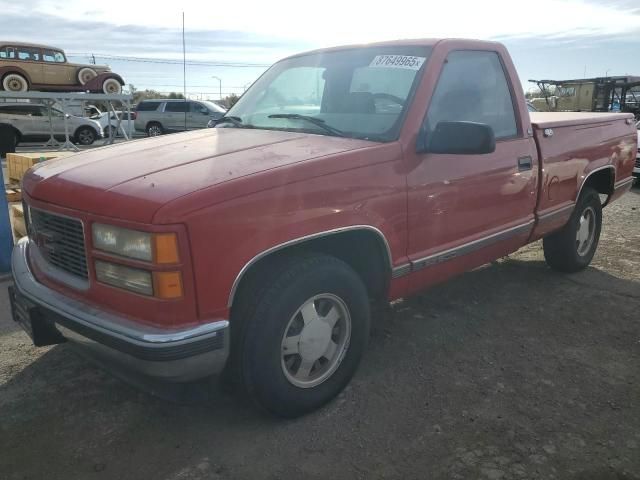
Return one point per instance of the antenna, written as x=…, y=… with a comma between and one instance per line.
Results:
x=184, y=72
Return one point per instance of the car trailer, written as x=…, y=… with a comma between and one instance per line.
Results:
x=65, y=100
x=608, y=93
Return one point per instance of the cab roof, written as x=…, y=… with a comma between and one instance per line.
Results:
x=26, y=44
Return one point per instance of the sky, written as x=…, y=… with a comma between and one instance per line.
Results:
x=554, y=39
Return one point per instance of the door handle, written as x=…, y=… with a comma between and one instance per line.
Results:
x=525, y=163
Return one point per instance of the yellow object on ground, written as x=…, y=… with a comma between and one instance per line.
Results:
x=19, y=163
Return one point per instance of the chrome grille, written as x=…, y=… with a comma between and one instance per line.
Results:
x=60, y=241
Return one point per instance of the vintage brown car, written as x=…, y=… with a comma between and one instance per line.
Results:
x=28, y=66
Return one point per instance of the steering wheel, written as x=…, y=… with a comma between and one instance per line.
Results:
x=388, y=96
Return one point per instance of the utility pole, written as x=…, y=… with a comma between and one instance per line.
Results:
x=220, y=84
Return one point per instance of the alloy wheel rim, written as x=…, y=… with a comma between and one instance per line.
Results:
x=315, y=340
x=85, y=137
x=586, y=231
x=154, y=131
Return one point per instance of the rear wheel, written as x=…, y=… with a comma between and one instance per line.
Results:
x=572, y=248
x=154, y=129
x=14, y=82
x=305, y=328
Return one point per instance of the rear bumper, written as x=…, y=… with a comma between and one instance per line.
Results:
x=172, y=355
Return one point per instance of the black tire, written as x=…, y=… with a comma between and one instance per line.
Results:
x=562, y=249
x=85, y=136
x=8, y=140
x=268, y=303
x=154, y=129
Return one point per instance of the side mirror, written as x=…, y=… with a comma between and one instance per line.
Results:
x=458, y=138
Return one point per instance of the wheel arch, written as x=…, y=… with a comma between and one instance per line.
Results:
x=4, y=71
x=355, y=245
x=153, y=122
x=601, y=179
x=17, y=132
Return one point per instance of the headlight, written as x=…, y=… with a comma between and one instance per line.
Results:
x=122, y=241
x=132, y=279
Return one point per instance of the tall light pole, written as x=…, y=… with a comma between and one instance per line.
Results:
x=606, y=74
x=220, y=82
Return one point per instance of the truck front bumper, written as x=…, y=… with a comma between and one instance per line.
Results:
x=48, y=316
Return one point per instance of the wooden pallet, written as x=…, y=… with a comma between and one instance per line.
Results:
x=14, y=194
x=19, y=163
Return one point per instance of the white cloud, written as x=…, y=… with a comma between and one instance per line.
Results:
x=330, y=22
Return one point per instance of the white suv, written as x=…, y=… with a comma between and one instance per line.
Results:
x=30, y=123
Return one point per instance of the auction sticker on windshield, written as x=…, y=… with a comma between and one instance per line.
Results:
x=398, y=61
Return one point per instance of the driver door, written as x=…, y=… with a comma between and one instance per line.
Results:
x=465, y=210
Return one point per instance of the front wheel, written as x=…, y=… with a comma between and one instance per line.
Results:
x=85, y=136
x=304, y=334
x=111, y=86
x=572, y=248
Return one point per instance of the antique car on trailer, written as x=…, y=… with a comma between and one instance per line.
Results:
x=29, y=66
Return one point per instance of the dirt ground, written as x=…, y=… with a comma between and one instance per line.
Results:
x=511, y=371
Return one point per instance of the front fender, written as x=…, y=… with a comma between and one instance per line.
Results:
x=96, y=83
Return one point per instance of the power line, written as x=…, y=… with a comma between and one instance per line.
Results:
x=168, y=61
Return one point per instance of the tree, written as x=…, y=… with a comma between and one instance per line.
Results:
x=148, y=94
x=230, y=100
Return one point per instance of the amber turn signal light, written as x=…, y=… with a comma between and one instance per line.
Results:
x=166, y=248
x=168, y=285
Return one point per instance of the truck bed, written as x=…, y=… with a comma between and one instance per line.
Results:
x=563, y=119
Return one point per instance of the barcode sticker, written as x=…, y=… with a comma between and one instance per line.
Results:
x=398, y=61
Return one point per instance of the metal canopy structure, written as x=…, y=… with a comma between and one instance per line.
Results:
x=623, y=91
x=64, y=100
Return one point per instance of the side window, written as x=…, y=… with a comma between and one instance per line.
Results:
x=147, y=106
x=177, y=107
x=198, y=108
x=473, y=88
x=8, y=53
x=30, y=54
x=53, y=56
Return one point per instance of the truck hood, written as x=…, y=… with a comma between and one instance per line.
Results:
x=133, y=180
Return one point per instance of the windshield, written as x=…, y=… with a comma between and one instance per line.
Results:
x=359, y=93
x=213, y=107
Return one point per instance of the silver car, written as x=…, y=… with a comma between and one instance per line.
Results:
x=30, y=123
x=156, y=117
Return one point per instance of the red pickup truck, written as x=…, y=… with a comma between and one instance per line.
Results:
x=342, y=177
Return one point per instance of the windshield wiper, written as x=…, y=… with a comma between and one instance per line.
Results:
x=237, y=121
x=316, y=121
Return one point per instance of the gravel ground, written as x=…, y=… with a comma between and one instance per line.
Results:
x=510, y=371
